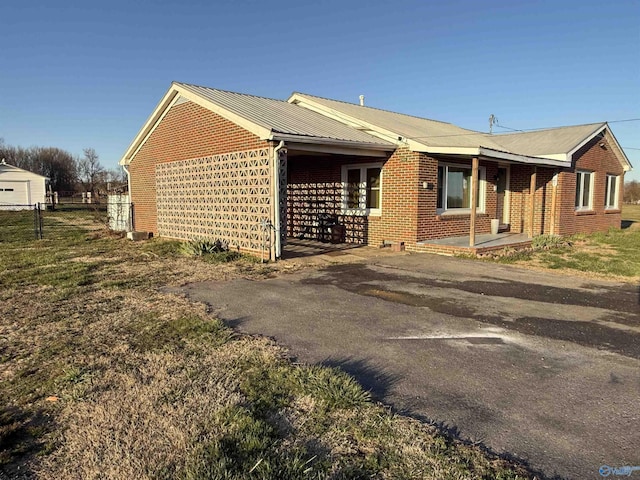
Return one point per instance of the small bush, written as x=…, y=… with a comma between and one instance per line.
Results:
x=201, y=246
x=223, y=257
x=546, y=242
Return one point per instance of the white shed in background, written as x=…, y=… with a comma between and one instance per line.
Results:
x=20, y=189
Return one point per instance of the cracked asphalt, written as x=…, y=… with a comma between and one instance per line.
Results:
x=540, y=366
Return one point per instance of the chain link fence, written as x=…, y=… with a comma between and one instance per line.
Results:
x=24, y=223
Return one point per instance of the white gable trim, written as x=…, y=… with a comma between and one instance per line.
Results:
x=617, y=149
x=361, y=125
x=608, y=134
x=585, y=141
x=176, y=93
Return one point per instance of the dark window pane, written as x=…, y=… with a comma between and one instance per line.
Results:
x=458, y=187
x=373, y=188
x=353, y=188
x=373, y=177
x=578, y=188
x=612, y=195
x=586, y=192
x=440, y=201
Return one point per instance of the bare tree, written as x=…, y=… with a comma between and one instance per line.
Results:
x=632, y=191
x=56, y=164
x=90, y=172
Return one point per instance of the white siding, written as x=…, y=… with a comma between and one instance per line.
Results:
x=20, y=187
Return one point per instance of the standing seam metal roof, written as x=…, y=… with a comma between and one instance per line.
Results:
x=422, y=130
x=282, y=117
x=432, y=133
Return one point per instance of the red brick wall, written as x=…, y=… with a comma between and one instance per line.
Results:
x=430, y=224
x=520, y=185
x=314, y=186
x=602, y=161
x=187, y=131
x=399, y=219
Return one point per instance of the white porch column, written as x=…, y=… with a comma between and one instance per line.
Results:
x=474, y=201
x=532, y=200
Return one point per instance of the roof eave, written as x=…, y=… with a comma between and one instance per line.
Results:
x=487, y=152
x=330, y=141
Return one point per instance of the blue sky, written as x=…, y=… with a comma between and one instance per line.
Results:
x=88, y=74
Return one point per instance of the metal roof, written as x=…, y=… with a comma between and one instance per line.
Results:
x=431, y=133
x=550, y=141
x=284, y=118
x=434, y=134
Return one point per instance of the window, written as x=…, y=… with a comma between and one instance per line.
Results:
x=611, y=192
x=454, y=188
x=584, y=190
x=362, y=189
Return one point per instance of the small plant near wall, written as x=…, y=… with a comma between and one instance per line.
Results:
x=548, y=242
x=202, y=246
x=215, y=251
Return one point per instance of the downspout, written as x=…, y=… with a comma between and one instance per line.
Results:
x=131, y=226
x=276, y=200
x=124, y=167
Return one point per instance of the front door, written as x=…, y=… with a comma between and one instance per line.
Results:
x=502, y=184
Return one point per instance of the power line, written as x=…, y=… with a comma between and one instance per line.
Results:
x=517, y=130
x=509, y=128
x=626, y=120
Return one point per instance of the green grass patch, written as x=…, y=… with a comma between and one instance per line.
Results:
x=152, y=333
x=613, y=253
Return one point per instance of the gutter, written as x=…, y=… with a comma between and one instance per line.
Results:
x=330, y=141
x=276, y=200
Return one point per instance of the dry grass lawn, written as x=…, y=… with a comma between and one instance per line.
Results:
x=103, y=376
x=613, y=254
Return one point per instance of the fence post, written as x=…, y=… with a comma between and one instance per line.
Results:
x=39, y=221
x=35, y=221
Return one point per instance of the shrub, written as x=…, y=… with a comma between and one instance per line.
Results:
x=201, y=246
x=547, y=242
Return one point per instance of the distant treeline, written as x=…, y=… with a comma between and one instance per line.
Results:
x=632, y=191
x=66, y=173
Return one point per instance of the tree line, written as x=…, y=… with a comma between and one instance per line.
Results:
x=66, y=173
x=632, y=191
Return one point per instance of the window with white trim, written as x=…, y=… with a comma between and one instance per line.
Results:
x=584, y=190
x=362, y=189
x=454, y=189
x=611, y=192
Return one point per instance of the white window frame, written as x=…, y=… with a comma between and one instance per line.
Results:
x=482, y=186
x=611, y=203
x=580, y=175
x=362, y=209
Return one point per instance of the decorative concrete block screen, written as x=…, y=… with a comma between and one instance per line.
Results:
x=308, y=201
x=222, y=197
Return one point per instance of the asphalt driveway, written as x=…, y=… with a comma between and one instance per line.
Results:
x=544, y=367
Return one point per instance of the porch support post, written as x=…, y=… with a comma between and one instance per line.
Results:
x=532, y=200
x=474, y=201
x=554, y=203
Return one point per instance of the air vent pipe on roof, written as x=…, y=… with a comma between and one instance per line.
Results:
x=362, y=100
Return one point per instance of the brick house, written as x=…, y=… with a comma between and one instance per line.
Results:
x=255, y=171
